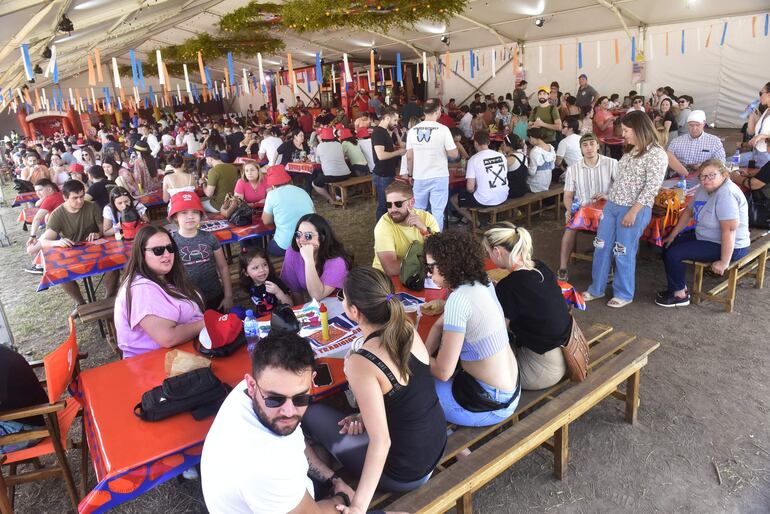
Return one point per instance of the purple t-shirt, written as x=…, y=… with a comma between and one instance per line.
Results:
x=293, y=271
x=147, y=298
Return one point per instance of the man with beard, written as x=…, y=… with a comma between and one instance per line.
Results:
x=385, y=156
x=545, y=116
x=255, y=460
x=399, y=227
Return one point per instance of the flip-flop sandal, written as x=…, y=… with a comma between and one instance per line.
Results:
x=617, y=303
x=588, y=296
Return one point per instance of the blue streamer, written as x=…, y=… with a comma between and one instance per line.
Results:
x=230, y=67
x=473, y=63
x=195, y=92
x=633, y=48
x=141, y=75
x=61, y=99
x=134, y=72
x=56, y=72
x=152, y=96
x=682, y=42
x=399, y=74
x=724, y=34
x=457, y=64
x=209, y=82
x=580, y=55
x=27, y=62
x=318, y=70
x=767, y=23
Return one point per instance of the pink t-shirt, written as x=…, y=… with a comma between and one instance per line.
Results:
x=147, y=298
x=293, y=271
x=250, y=194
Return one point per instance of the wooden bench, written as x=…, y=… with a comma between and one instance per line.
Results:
x=526, y=202
x=102, y=311
x=542, y=418
x=753, y=264
x=340, y=189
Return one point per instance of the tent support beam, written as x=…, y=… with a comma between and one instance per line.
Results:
x=409, y=45
x=475, y=88
x=491, y=30
x=612, y=7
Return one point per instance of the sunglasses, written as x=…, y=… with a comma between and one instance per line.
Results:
x=273, y=401
x=430, y=266
x=307, y=236
x=157, y=251
x=397, y=204
x=341, y=295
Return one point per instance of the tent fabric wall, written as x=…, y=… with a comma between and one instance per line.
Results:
x=723, y=79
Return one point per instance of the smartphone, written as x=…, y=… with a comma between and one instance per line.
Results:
x=323, y=376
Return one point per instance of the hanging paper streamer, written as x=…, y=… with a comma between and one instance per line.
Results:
x=561, y=57
x=334, y=79
x=767, y=24
x=477, y=63
x=753, y=26
x=230, y=71
x=633, y=48
x=318, y=70
x=424, y=66
x=617, y=52
x=292, y=78
x=473, y=64
x=708, y=38
x=515, y=60
x=598, y=54
x=44, y=103
x=116, y=73
x=346, y=68
x=682, y=49
x=141, y=74
x=580, y=55
x=37, y=100
x=208, y=78
x=399, y=74
x=91, y=75
x=261, y=72
x=494, y=64
x=159, y=59
x=186, y=79
x=134, y=71
x=724, y=35
x=372, y=77
x=49, y=68
x=98, y=61
x=540, y=60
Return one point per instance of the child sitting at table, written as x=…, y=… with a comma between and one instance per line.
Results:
x=542, y=159
x=200, y=252
x=259, y=280
x=125, y=210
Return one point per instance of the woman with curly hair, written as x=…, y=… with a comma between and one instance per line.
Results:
x=486, y=389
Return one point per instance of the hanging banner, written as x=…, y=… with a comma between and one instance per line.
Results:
x=159, y=59
x=91, y=74
x=708, y=38
x=334, y=79
x=49, y=68
x=319, y=75
x=346, y=68
x=186, y=79
x=141, y=74
x=580, y=55
x=424, y=66
x=633, y=48
x=617, y=52
x=116, y=73
x=98, y=62
x=666, y=44
x=372, y=72
x=638, y=72
x=724, y=35
x=399, y=73
x=230, y=71
x=682, y=51
x=494, y=64
x=473, y=64
x=561, y=57
x=134, y=71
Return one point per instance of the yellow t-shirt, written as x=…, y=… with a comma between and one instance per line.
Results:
x=393, y=237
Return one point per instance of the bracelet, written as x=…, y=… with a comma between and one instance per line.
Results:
x=344, y=497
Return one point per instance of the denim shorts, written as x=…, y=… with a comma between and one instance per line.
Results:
x=455, y=413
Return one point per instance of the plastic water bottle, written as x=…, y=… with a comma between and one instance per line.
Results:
x=251, y=329
x=682, y=184
x=736, y=161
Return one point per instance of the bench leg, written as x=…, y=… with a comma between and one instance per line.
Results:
x=561, y=452
x=732, y=285
x=465, y=504
x=697, y=283
x=632, y=397
x=761, y=262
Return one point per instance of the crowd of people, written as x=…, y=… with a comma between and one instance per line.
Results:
x=492, y=341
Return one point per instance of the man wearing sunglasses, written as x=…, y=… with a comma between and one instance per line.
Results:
x=399, y=227
x=255, y=459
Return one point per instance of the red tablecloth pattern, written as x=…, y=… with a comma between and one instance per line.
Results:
x=23, y=198
x=303, y=167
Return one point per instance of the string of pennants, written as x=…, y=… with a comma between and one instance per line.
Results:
x=467, y=64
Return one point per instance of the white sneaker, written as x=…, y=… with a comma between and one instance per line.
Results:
x=191, y=473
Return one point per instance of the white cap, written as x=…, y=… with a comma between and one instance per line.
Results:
x=697, y=116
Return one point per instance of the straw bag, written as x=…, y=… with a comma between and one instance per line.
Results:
x=576, y=354
x=668, y=204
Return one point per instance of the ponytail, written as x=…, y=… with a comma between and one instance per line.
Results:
x=516, y=240
x=371, y=291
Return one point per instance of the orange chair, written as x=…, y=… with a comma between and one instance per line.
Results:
x=61, y=368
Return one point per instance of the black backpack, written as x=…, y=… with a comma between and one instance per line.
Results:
x=198, y=391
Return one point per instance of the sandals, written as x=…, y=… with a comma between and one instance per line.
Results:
x=588, y=296
x=617, y=303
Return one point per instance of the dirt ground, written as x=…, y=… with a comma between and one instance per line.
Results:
x=701, y=445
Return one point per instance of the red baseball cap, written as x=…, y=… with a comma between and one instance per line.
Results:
x=362, y=132
x=80, y=142
x=184, y=201
x=327, y=133
x=76, y=168
x=277, y=176
x=219, y=330
x=345, y=133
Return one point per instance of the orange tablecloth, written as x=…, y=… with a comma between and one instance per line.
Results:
x=23, y=198
x=28, y=214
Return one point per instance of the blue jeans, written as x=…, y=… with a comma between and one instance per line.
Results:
x=380, y=183
x=455, y=413
x=274, y=249
x=686, y=246
x=433, y=192
x=615, y=240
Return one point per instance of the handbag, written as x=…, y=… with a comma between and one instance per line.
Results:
x=668, y=204
x=198, y=391
x=412, y=273
x=759, y=208
x=228, y=205
x=472, y=397
x=242, y=215
x=576, y=354
x=283, y=319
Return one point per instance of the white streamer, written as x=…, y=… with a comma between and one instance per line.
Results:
x=116, y=73
x=348, y=77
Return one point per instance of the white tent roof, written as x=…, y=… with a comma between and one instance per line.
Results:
x=115, y=26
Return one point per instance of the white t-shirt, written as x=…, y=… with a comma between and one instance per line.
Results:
x=490, y=170
x=167, y=140
x=246, y=468
x=430, y=141
x=283, y=108
x=192, y=144
x=569, y=149
x=465, y=125
x=269, y=148
x=332, y=159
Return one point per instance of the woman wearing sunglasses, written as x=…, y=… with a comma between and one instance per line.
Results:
x=472, y=331
x=721, y=234
x=400, y=433
x=156, y=306
x=316, y=263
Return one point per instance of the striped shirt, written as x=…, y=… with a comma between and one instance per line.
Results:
x=694, y=151
x=586, y=181
x=473, y=309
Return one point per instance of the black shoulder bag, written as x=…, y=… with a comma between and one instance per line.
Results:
x=198, y=391
x=242, y=215
x=759, y=207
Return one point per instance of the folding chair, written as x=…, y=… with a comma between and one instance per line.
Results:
x=61, y=368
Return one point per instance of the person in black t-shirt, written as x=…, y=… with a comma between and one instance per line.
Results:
x=534, y=307
x=19, y=388
x=97, y=191
x=385, y=155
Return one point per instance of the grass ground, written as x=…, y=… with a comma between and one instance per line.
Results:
x=702, y=443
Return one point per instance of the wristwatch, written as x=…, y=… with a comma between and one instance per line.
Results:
x=344, y=497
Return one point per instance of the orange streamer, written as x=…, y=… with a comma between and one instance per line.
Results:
x=561, y=56
x=98, y=59
x=708, y=39
x=37, y=100
x=91, y=77
x=200, y=68
x=291, y=69
x=753, y=26
x=372, y=75
x=446, y=64
x=617, y=53
x=666, y=43
x=515, y=60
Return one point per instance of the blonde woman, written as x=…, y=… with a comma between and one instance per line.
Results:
x=534, y=308
x=628, y=210
x=251, y=187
